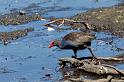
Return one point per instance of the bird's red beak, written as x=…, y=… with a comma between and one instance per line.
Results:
x=51, y=44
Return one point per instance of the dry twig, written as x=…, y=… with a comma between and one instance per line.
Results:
x=60, y=22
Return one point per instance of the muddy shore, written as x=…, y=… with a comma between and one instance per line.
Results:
x=6, y=37
x=105, y=19
x=17, y=18
x=110, y=19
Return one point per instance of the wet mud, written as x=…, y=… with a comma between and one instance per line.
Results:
x=110, y=19
x=39, y=63
x=5, y=37
x=104, y=19
x=17, y=18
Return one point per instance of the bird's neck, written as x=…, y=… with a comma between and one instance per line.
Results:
x=59, y=44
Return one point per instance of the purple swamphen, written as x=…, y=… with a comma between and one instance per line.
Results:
x=75, y=41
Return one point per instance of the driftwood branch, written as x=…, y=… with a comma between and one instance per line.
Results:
x=91, y=67
x=108, y=79
x=121, y=58
x=111, y=58
x=61, y=22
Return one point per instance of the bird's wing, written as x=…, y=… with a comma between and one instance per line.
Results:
x=83, y=39
x=78, y=38
x=71, y=36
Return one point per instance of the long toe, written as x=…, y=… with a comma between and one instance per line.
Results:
x=96, y=61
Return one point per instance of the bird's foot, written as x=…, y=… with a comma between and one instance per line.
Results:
x=74, y=57
x=96, y=61
x=94, y=58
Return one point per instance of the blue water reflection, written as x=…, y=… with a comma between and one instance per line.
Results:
x=30, y=60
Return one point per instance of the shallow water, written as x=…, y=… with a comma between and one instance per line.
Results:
x=58, y=8
x=28, y=59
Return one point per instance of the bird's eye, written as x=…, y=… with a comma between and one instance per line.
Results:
x=52, y=43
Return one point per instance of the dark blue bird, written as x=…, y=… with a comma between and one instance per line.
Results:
x=75, y=41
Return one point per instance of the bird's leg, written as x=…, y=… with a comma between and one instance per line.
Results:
x=75, y=51
x=94, y=58
x=92, y=53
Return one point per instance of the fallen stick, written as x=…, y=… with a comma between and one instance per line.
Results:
x=105, y=58
x=111, y=58
x=92, y=68
x=108, y=79
x=60, y=22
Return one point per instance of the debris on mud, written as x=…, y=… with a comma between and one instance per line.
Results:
x=101, y=19
x=66, y=22
x=108, y=79
x=5, y=37
x=109, y=19
x=93, y=68
x=27, y=14
x=16, y=18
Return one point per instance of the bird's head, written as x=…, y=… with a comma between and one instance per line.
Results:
x=54, y=43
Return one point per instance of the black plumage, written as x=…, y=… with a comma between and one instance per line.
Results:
x=75, y=41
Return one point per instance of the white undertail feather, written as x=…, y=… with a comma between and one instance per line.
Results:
x=50, y=29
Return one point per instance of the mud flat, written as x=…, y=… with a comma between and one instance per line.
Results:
x=5, y=37
x=109, y=19
x=16, y=18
